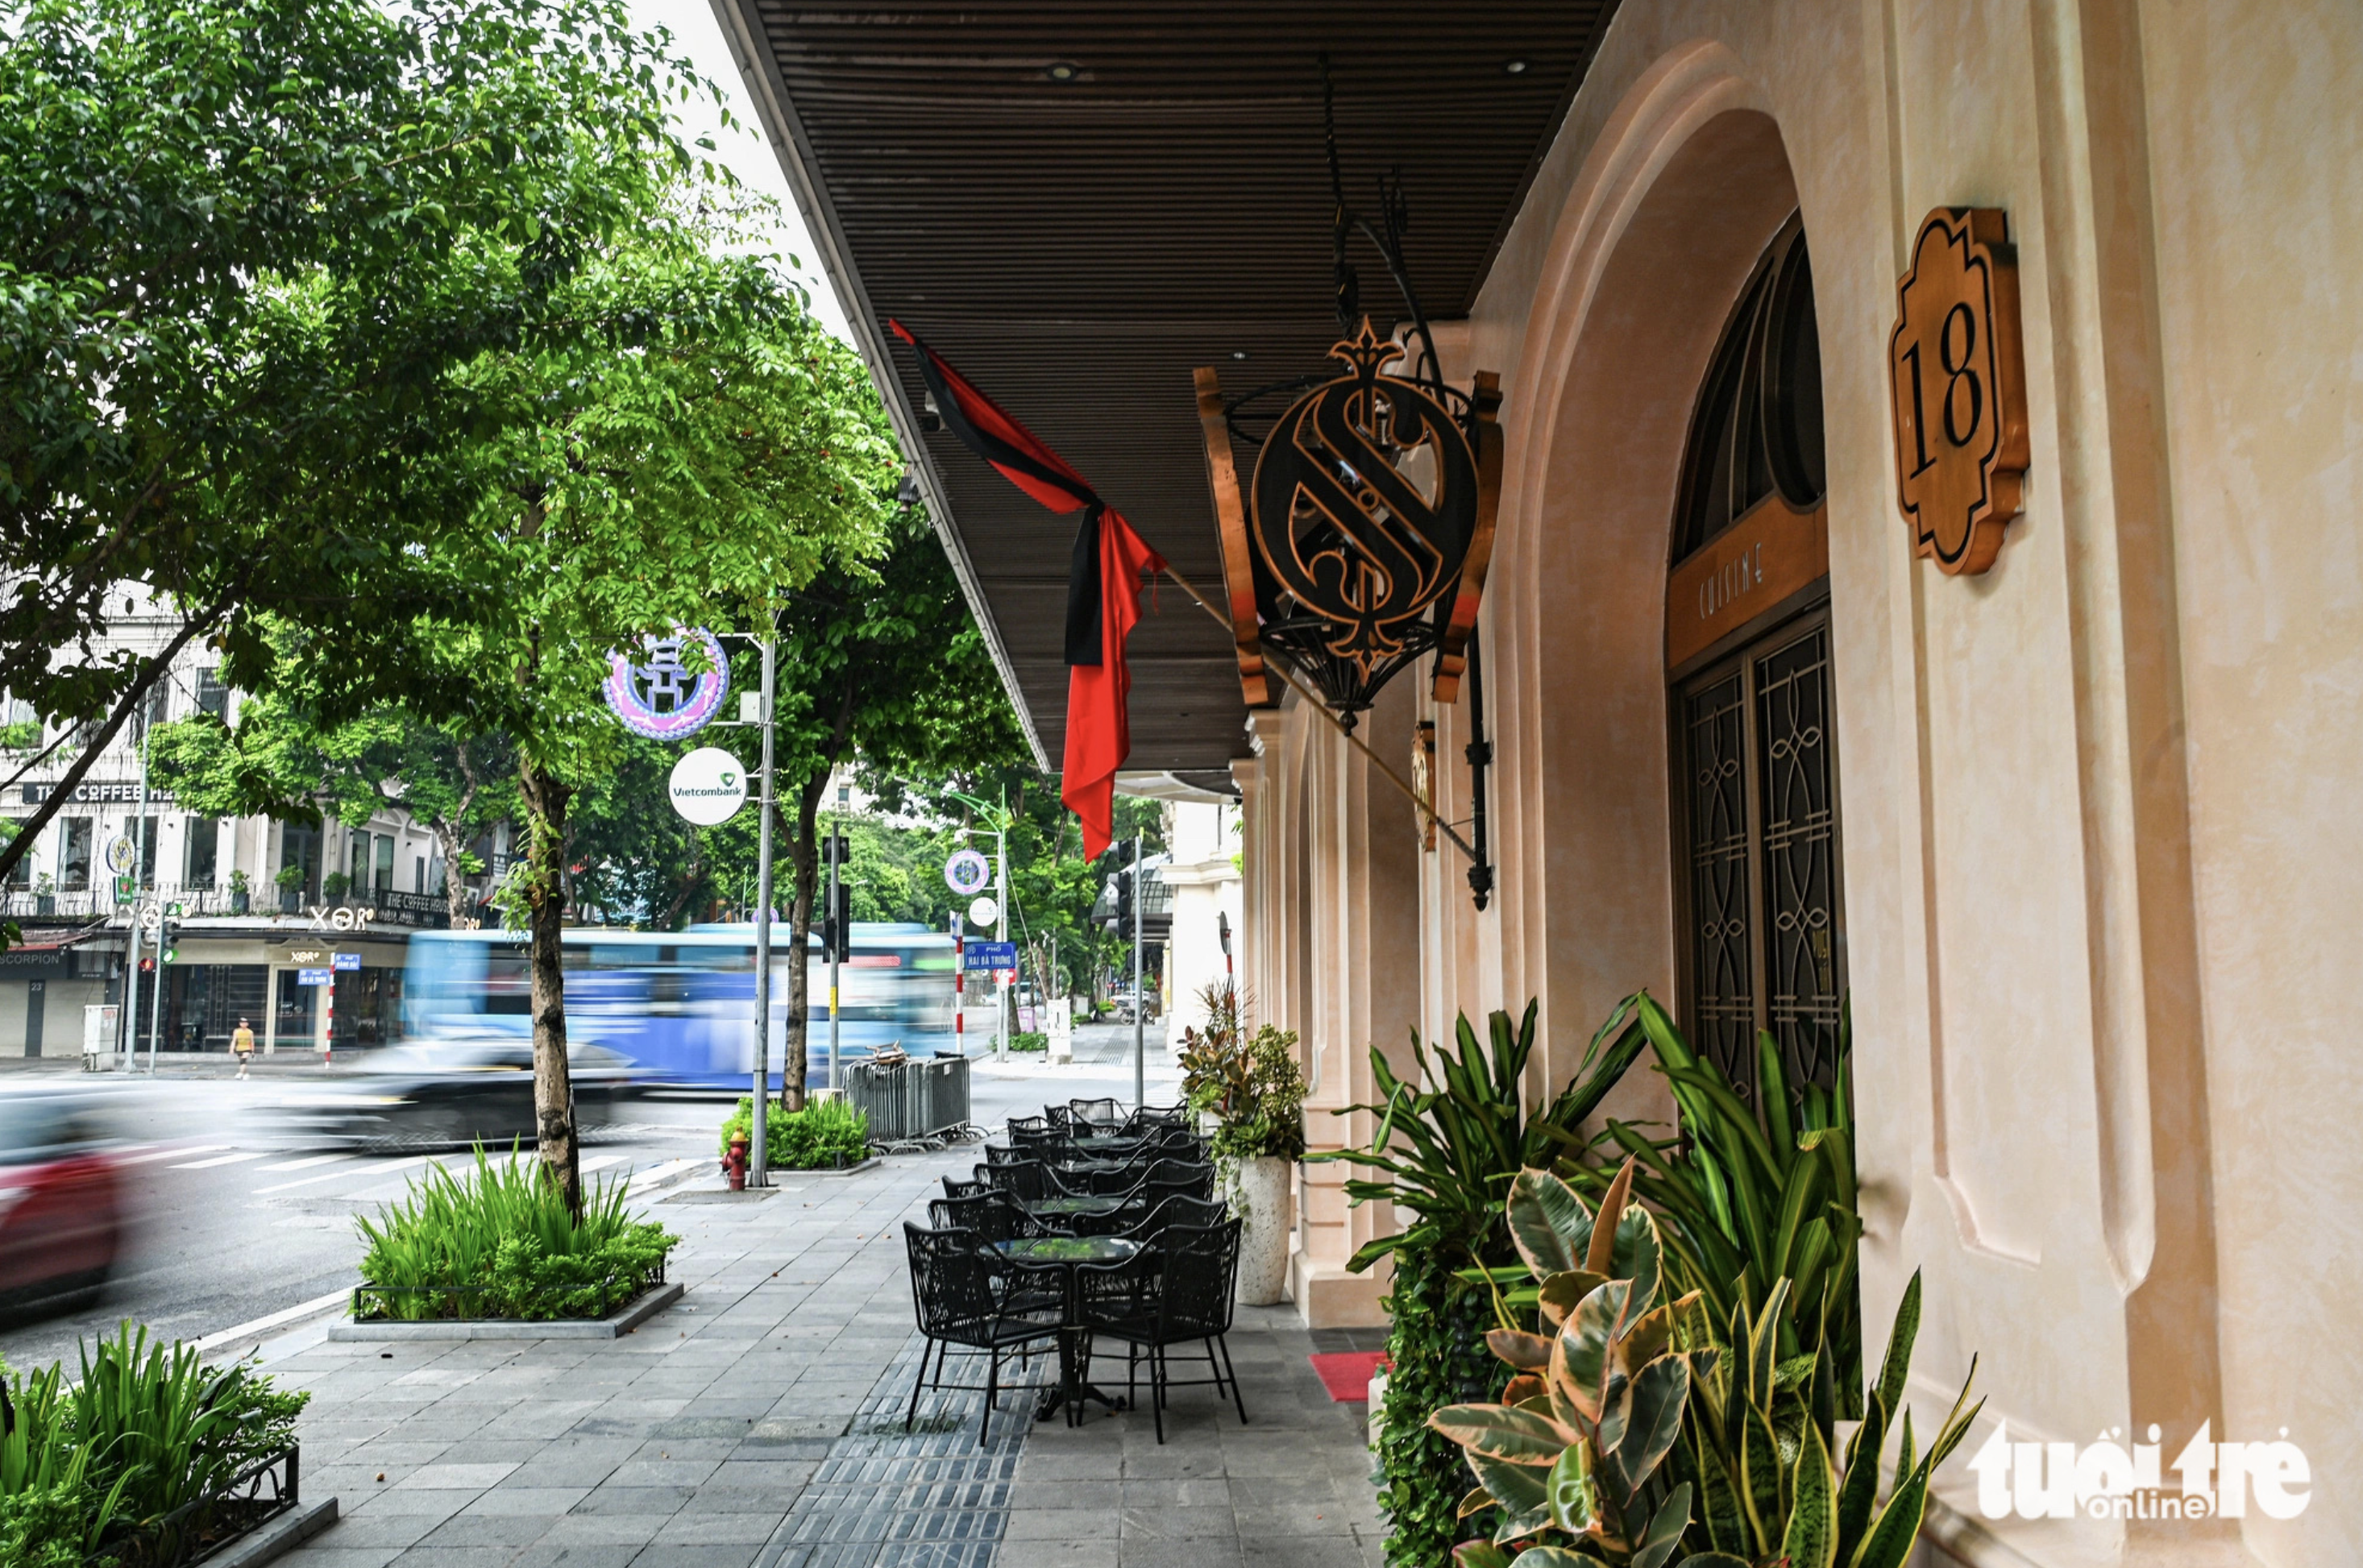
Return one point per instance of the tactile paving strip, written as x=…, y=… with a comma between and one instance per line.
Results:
x=930, y=1498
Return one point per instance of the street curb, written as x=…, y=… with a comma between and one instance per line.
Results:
x=613, y=1326
x=280, y=1537
x=871, y=1164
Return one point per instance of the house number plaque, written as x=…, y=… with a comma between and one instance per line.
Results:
x=1958, y=385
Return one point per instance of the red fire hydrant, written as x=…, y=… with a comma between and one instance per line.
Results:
x=734, y=1165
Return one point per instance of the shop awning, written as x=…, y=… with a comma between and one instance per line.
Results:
x=1079, y=204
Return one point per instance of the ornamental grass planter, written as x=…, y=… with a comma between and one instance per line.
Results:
x=257, y=1516
x=624, y=1304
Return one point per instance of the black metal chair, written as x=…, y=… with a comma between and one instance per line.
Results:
x=1102, y=1115
x=994, y=1216
x=1062, y=1121
x=1001, y=1154
x=1169, y=1177
x=1028, y=1180
x=1166, y=1296
x=1150, y=1118
x=959, y=1302
x=955, y=1187
x=1024, y=1124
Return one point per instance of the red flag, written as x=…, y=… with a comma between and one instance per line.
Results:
x=1099, y=730
x=1102, y=587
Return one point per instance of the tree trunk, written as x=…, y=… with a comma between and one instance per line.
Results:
x=554, y=1089
x=804, y=875
x=455, y=876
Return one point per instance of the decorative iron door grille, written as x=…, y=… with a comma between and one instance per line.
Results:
x=1765, y=947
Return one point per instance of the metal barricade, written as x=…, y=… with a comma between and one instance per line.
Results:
x=925, y=1098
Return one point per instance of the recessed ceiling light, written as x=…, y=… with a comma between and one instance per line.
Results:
x=1238, y=353
x=1515, y=67
x=1064, y=71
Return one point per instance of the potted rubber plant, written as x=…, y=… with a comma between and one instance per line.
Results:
x=290, y=888
x=241, y=892
x=1252, y=1090
x=45, y=894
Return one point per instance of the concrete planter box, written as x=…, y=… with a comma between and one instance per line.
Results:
x=622, y=1320
x=1258, y=1192
x=276, y=1539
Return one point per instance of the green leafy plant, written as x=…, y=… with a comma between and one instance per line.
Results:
x=237, y=882
x=1447, y=1143
x=1436, y=1343
x=1740, y=1467
x=1029, y=1039
x=825, y=1135
x=1449, y=1139
x=499, y=1242
x=1251, y=1087
x=1753, y=1195
x=334, y=885
x=89, y=1472
x=289, y=879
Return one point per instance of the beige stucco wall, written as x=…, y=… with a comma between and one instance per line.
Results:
x=2100, y=864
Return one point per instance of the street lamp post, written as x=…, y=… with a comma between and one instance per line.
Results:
x=1139, y=1001
x=759, y=1146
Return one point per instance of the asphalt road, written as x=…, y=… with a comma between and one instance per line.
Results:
x=232, y=1226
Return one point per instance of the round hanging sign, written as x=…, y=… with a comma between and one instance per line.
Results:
x=967, y=872
x=120, y=851
x=708, y=785
x=983, y=913
x=660, y=698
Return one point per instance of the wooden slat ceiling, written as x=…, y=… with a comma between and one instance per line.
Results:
x=1077, y=247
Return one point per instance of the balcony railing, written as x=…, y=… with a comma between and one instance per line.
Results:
x=411, y=911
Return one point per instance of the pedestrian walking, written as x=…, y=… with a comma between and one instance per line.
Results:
x=241, y=1045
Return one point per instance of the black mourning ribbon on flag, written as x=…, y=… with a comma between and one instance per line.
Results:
x=1083, y=570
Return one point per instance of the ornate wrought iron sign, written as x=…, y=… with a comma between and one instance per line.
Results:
x=1958, y=383
x=1370, y=526
x=661, y=697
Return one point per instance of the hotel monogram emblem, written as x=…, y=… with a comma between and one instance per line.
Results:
x=1958, y=388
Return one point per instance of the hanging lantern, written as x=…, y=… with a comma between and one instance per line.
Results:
x=1363, y=539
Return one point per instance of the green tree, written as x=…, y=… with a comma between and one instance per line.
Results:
x=879, y=664
x=691, y=471
x=279, y=759
x=243, y=246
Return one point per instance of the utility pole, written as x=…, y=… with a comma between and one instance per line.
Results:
x=960, y=987
x=758, y=1144
x=1000, y=934
x=139, y=858
x=837, y=938
x=1139, y=1001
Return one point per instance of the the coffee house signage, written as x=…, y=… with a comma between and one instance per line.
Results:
x=90, y=793
x=1957, y=384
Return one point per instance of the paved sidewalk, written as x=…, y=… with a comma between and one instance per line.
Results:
x=759, y=1423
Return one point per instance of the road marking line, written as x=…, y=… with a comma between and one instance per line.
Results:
x=364, y=1171
x=224, y=1160
x=172, y=1153
x=305, y=1164
x=272, y=1320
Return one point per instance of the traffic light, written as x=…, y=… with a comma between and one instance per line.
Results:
x=836, y=901
x=168, y=933
x=1124, y=880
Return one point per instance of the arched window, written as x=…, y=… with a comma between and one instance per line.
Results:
x=1756, y=808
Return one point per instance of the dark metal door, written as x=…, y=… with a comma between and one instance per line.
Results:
x=1764, y=926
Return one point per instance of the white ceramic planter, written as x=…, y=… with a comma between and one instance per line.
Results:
x=1258, y=1192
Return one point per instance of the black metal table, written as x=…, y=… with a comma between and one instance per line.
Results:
x=1057, y=1208
x=1065, y=1253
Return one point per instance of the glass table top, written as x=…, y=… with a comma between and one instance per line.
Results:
x=1068, y=1249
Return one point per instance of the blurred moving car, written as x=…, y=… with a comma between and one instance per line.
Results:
x=62, y=1204
x=449, y=1091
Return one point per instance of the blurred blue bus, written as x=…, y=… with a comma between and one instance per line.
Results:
x=680, y=1005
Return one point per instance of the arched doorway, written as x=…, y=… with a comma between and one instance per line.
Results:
x=1755, y=809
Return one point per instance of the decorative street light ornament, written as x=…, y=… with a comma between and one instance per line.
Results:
x=661, y=697
x=707, y=786
x=967, y=872
x=1370, y=528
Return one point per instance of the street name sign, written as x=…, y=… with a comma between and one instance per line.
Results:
x=991, y=954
